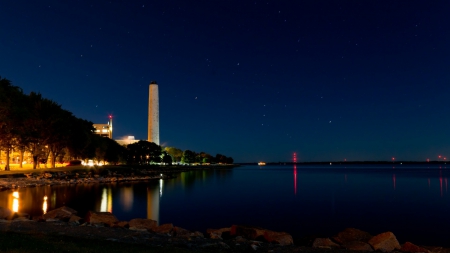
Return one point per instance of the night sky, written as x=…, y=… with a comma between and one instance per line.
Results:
x=254, y=80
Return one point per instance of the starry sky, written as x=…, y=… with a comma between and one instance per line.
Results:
x=254, y=80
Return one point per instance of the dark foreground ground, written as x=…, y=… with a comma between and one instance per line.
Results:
x=28, y=236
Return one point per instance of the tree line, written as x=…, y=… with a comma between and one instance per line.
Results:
x=34, y=124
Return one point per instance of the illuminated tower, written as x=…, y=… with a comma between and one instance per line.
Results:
x=110, y=127
x=153, y=113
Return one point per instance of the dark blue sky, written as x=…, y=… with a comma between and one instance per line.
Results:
x=255, y=80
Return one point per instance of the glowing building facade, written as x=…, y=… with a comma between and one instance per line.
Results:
x=104, y=130
x=153, y=113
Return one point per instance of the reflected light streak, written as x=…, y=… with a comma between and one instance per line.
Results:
x=15, y=204
x=152, y=204
x=161, y=183
x=103, y=201
x=45, y=206
x=446, y=185
x=126, y=198
x=295, y=179
x=394, y=181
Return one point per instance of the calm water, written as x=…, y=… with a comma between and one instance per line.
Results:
x=411, y=201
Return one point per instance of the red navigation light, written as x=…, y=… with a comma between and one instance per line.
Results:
x=110, y=116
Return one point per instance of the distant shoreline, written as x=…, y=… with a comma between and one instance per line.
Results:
x=354, y=162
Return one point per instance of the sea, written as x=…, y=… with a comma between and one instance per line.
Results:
x=412, y=201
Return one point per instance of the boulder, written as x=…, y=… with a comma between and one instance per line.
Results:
x=5, y=213
x=181, y=232
x=281, y=238
x=357, y=245
x=197, y=234
x=253, y=233
x=410, y=247
x=21, y=219
x=75, y=219
x=142, y=224
x=122, y=224
x=324, y=243
x=352, y=234
x=385, y=242
x=98, y=218
x=218, y=233
x=163, y=229
x=62, y=213
x=21, y=215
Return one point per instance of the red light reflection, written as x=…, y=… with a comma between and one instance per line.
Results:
x=295, y=179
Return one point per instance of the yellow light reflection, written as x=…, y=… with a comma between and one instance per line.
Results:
x=106, y=202
x=44, y=206
x=126, y=198
x=153, y=203
x=15, y=205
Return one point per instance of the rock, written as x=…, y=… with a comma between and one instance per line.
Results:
x=352, y=234
x=21, y=215
x=122, y=224
x=5, y=213
x=22, y=219
x=48, y=175
x=281, y=238
x=197, y=234
x=137, y=229
x=98, y=218
x=142, y=224
x=75, y=219
x=62, y=213
x=224, y=245
x=181, y=232
x=324, y=243
x=410, y=247
x=385, y=242
x=357, y=245
x=163, y=229
x=253, y=233
x=217, y=233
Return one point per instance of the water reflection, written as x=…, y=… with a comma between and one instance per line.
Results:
x=153, y=203
x=125, y=200
x=106, y=202
x=126, y=197
x=15, y=203
x=45, y=206
x=394, y=181
x=295, y=179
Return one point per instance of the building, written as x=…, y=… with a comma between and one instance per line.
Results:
x=104, y=130
x=153, y=113
x=126, y=141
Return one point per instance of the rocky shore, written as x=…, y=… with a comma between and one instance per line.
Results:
x=83, y=175
x=236, y=238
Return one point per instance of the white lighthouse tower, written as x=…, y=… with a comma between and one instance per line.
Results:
x=153, y=113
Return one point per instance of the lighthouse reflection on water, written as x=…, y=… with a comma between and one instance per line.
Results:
x=126, y=198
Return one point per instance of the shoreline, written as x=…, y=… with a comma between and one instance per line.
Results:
x=69, y=175
x=103, y=227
